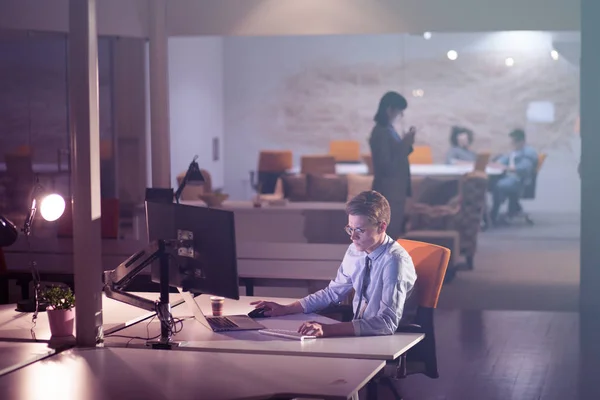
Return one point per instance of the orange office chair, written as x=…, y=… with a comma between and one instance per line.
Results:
x=431, y=262
x=317, y=164
x=345, y=150
x=420, y=155
x=481, y=161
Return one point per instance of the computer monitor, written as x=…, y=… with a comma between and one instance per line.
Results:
x=160, y=195
x=208, y=265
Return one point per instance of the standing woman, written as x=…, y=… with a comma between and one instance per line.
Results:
x=390, y=152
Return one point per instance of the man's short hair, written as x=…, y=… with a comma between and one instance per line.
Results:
x=370, y=204
x=518, y=135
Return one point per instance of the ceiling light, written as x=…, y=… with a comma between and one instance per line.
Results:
x=418, y=93
x=554, y=55
x=452, y=55
x=509, y=62
x=427, y=35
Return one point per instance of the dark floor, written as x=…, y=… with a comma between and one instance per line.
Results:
x=500, y=355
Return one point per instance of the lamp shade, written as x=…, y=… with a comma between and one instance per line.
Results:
x=8, y=232
x=274, y=160
x=195, y=177
x=52, y=207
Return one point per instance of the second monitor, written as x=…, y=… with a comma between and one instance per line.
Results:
x=206, y=259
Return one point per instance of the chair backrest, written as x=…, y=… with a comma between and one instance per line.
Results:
x=541, y=159
x=23, y=150
x=481, y=161
x=473, y=191
x=106, y=149
x=421, y=155
x=109, y=220
x=317, y=164
x=345, y=150
x=19, y=165
x=431, y=262
x=530, y=187
x=274, y=160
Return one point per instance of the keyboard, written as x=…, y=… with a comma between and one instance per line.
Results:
x=221, y=323
x=286, y=334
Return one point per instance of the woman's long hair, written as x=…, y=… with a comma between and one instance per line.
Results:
x=393, y=100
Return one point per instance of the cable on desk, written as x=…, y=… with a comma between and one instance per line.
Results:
x=137, y=337
x=174, y=325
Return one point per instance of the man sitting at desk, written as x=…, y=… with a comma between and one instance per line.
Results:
x=379, y=270
x=519, y=169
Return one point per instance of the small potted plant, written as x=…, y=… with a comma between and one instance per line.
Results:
x=61, y=316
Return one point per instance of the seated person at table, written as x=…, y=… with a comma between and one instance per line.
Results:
x=519, y=169
x=379, y=270
x=461, y=140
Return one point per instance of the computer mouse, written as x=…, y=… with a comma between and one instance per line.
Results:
x=258, y=313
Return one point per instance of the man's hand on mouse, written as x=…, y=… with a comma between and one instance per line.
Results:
x=272, y=309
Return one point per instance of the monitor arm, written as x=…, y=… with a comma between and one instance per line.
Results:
x=116, y=280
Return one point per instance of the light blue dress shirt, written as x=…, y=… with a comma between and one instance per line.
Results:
x=392, y=281
x=526, y=160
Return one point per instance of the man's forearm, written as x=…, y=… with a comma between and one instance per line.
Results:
x=294, y=308
x=339, y=329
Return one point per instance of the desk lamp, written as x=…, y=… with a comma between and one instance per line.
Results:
x=51, y=206
x=193, y=176
x=8, y=232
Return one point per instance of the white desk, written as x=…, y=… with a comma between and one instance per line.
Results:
x=116, y=315
x=14, y=355
x=445, y=170
x=106, y=374
x=199, y=338
x=439, y=170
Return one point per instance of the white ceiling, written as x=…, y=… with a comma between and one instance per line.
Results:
x=301, y=17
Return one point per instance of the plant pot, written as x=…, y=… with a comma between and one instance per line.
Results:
x=61, y=322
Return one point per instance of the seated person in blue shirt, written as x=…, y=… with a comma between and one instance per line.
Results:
x=461, y=140
x=519, y=169
x=379, y=270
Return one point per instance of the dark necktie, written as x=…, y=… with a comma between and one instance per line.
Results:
x=365, y=285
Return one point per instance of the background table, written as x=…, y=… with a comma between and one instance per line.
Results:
x=415, y=169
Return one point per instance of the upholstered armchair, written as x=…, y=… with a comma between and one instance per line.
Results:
x=463, y=214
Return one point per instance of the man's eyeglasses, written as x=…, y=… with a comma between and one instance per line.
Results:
x=349, y=230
